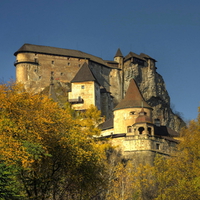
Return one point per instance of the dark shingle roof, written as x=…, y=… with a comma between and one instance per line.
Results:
x=84, y=74
x=118, y=53
x=133, y=55
x=146, y=56
x=108, y=124
x=133, y=98
x=165, y=131
x=58, y=51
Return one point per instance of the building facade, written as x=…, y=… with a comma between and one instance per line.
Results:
x=88, y=79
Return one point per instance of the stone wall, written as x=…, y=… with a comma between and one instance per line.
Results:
x=35, y=70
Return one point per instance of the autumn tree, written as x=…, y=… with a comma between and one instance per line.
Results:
x=52, y=148
x=178, y=177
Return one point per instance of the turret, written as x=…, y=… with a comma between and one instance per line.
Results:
x=119, y=58
x=129, y=109
x=143, y=124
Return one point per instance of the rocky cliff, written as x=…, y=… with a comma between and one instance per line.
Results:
x=152, y=87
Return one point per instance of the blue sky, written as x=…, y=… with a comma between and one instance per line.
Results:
x=166, y=30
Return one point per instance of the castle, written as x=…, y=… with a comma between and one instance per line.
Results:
x=137, y=127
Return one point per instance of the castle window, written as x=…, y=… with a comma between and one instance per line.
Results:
x=35, y=59
x=68, y=63
x=149, y=131
x=129, y=129
x=141, y=129
x=52, y=62
x=132, y=113
x=158, y=146
x=61, y=73
x=79, y=65
x=82, y=86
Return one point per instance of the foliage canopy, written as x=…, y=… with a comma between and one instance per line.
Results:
x=51, y=147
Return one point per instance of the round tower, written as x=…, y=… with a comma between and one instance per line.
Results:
x=127, y=112
x=119, y=58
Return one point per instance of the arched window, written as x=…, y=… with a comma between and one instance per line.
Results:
x=141, y=129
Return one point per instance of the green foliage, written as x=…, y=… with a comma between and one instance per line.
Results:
x=9, y=186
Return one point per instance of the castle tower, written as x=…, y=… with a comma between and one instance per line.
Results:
x=85, y=90
x=128, y=110
x=143, y=125
x=119, y=58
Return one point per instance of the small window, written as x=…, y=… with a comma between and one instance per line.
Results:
x=158, y=146
x=129, y=129
x=35, y=59
x=68, y=63
x=82, y=86
x=52, y=62
x=149, y=131
x=61, y=73
x=132, y=112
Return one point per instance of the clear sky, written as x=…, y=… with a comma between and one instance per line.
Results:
x=167, y=30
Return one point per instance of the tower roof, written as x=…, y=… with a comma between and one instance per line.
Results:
x=84, y=74
x=118, y=53
x=133, y=98
x=143, y=118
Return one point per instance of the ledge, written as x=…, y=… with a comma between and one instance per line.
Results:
x=27, y=62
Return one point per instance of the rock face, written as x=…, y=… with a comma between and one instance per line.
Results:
x=152, y=87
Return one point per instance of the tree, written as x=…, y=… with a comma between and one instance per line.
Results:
x=52, y=148
x=9, y=186
x=178, y=177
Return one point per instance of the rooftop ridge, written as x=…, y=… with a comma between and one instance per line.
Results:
x=58, y=51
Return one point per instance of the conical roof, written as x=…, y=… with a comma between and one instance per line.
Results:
x=118, y=53
x=133, y=98
x=84, y=74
